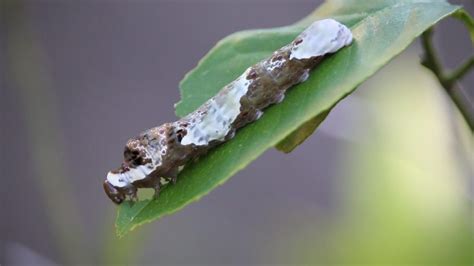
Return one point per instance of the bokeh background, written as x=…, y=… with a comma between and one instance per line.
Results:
x=387, y=178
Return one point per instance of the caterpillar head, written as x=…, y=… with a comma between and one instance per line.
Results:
x=114, y=193
x=140, y=160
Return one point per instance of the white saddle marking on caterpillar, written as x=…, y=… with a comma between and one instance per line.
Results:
x=322, y=37
x=222, y=112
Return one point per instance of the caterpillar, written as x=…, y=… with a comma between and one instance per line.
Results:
x=156, y=156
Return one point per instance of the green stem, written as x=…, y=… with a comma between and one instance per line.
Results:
x=449, y=82
x=431, y=60
x=468, y=21
x=460, y=71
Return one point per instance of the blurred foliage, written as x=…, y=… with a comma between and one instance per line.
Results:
x=407, y=179
x=31, y=76
x=381, y=30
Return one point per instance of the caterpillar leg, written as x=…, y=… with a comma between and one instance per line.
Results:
x=248, y=115
x=173, y=175
x=131, y=192
x=156, y=187
x=230, y=135
x=279, y=97
x=304, y=77
x=134, y=196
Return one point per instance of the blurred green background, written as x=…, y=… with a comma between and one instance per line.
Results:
x=386, y=180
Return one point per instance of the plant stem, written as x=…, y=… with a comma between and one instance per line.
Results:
x=449, y=81
x=460, y=71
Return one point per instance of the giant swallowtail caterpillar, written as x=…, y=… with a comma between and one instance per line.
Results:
x=156, y=156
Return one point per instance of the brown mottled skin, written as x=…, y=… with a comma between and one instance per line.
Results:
x=266, y=87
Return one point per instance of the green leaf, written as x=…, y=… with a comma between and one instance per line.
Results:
x=298, y=136
x=382, y=29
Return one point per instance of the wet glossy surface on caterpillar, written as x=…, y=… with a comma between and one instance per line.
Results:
x=157, y=155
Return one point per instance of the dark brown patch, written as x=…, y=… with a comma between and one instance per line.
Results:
x=252, y=74
x=277, y=58
x=180, y=134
